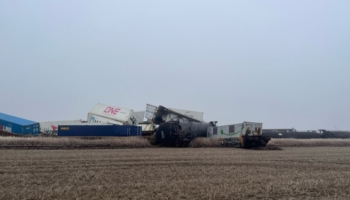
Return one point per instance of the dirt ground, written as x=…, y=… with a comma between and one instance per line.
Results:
x=163, y=173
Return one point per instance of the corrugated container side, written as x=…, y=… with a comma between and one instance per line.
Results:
x=33, y=129
x=97, y=119
x=10, y=127
x=139, y=116
x=51, y=126
x=235, y=130
x=225, y=131
x=98, y=131
x=252, y=128
x=112, y=112
x=192, y=114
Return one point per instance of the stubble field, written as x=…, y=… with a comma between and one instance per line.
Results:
x=165, y=173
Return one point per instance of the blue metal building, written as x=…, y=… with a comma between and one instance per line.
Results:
x=16, y=125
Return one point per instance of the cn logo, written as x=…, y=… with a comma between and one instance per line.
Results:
x=111, y=110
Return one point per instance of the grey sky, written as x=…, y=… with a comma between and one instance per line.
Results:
x=283, y=63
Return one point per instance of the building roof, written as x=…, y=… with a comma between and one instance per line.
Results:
x=16, y=120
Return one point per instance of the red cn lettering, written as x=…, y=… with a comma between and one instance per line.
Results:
x=111, y=110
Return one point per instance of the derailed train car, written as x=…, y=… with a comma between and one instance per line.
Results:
x=177, y=129
x=246, y=135
x=180, y=134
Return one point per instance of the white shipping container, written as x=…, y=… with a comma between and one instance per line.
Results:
x=152, y=110
x=123, y=115
x=147, y=127
x=139, y=115
x=192, y=114
x=101, y=120
x=235, y=130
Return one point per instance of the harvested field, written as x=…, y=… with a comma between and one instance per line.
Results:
x=188, y=173
x=274, y=143
x=310, y=142
x=139, y=142
x=204, y=142
x=58, y=142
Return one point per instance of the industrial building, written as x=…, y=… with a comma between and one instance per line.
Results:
x=15, y=125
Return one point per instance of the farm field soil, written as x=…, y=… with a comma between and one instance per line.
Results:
x=164, y=173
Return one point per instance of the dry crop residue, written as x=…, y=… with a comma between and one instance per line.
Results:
x=203, y=173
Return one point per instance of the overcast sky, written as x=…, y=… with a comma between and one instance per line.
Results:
x=283, y=63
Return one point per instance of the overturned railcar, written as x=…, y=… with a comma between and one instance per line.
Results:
x=177, y=128
x=179, y=134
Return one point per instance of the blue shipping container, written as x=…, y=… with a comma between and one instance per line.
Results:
x=98, y=131
x=12, y=124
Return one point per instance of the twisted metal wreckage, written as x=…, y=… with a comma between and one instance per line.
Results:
x=177, y=128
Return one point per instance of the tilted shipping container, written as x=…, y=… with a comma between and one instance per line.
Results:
x=122, y=115
x=15, y=125
x=139, y=115
x=192, y=114
x=97, y=119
